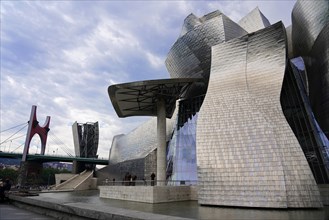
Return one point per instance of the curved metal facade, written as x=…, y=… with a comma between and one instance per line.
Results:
x=189, y=57
x=308, y=19
x=297, y=110
x=318, y=76
x=247, y=154
x=254, y=21
x=255, y=137
x=139, y=142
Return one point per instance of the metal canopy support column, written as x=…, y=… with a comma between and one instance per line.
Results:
x=161, y=137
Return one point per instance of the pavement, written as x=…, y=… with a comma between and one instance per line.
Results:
x=88, y=205
x=10, y=212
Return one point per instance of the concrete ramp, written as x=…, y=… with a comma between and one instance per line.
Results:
x=82, y=181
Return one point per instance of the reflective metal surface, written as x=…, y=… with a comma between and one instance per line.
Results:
x=255, y=138
x=308, y=19
x=297, y=110
x=141, y=98
x=318, y=75
x=181, y=157
x=139, y=142
x=254, y=21
x=190, y=55
x=85, y=137
x=247, y=154
x=310, y=37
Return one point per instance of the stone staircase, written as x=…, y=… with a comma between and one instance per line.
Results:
x=78, y=182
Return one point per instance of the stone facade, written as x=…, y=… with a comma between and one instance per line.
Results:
x=149, y=194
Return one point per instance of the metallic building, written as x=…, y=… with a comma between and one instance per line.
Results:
x=318, y=79
x=85, y=138
x=253, y=158
x=289, y=42
x=254, y=21
x=152, y=98
x=139, y=142
x=308, y=19
x=297, y=110
x=255, y=133
x=181, y=157
x=189, y=57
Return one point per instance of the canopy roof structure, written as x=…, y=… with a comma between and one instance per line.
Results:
x=140, y=98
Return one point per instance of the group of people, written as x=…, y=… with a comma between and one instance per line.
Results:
x=4, y=186
x=130, y=180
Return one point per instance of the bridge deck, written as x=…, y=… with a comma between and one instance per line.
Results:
x=49, y=158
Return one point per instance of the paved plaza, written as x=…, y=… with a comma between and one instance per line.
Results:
x=92, y=206
x=10, y=212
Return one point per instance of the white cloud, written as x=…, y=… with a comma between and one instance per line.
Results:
x=62, y=56
x=155, y=61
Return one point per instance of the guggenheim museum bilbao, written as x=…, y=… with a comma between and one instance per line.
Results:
x=246, y=111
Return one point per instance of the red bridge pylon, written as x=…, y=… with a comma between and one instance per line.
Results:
x=35, y=128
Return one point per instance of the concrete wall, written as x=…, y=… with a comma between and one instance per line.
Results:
x=89, y=183
x=59, y=178
x=149, y=194
x=81, y=211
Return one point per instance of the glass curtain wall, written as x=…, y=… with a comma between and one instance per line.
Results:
x=296, y=108
x=181, y=156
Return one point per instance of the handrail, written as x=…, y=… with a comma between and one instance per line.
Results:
x=81, y=182
x=69, y=180
x=149, y=183
x=66, y=181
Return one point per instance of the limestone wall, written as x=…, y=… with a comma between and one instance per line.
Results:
x=149, y=194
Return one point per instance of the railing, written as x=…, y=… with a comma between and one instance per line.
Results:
x=52, y=155
x=108, y=182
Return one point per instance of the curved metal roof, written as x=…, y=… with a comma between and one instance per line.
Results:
x=140, y=98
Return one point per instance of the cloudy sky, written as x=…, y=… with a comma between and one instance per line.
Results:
x=62, y=56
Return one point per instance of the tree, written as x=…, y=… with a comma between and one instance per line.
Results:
x=48, y=175
x=10, y=174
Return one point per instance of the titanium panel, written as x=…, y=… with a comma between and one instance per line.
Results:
x=189, y=57
x=85, y=137
x=318, y=76
x=139, y=142
x=247, y=154
x=254, y=21
x=308, y=19
x=289, y=42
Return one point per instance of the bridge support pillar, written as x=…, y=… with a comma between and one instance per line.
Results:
x=79, y=167
x=29, y=173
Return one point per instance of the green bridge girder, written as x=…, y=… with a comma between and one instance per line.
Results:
x=49, y=158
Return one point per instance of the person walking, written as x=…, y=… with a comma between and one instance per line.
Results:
x=152, y=179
